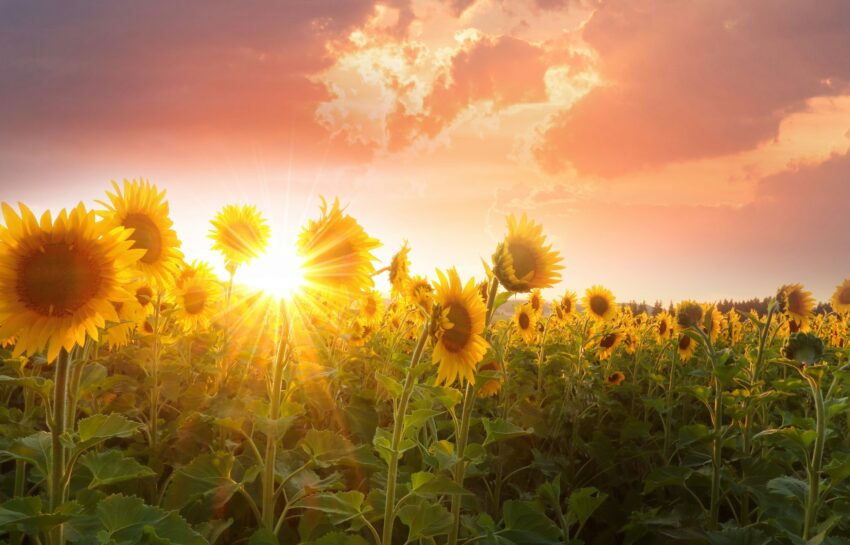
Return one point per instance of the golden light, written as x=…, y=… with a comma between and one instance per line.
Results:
x=278, y=273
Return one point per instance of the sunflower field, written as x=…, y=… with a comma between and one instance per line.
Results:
x=146, y=400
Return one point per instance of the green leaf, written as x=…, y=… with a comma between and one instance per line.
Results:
x=35, y=449
x=327, y=448
x=383, y=444
x=126, y=519
x=582, y=503
x=100, y=427
x=39, y=385
x=424, y=519
x=207, y=476
x=414, y=421
x=25, y=514
x=263, y=536
x=428, y=484
x=275, y=429
x=666, y=476
x=526, y=523
x=391, y=385
x=738, y=536
x=110, y=467
x=338, y=506
x=838, y=468
x=499, y=429
x=789, y=487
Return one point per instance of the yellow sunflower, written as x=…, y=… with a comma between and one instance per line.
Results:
x=420, y=292
x=566, y=307
x=400, y=270
x=733, y=327
x=493, y=385
x=689, y=314
x=142, y=208
x=522, y=261
x=337, y=252
x=371, y=308
x=536, y=301
x=59, y=279
x=459, y=344
x=196, y=300
x=797, y=303
x=599, y=303
x=686, y=347
x=130, y=314
x=615, y=379
x=240, y=233
x=525, y=320
x=663, y=327
x=608, y=343
x=711, y=321
x=841, y=298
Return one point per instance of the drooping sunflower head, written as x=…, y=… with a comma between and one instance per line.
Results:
x=492, y=386
x=806, y=348
x=841, y=298
x=420, y=292
x=59, y=278
x=565, y=309
x=240, y=233
x=686, y=347
x=599, y=304
x=711, y=321
x=337, y=253
x=607, y=343
x=400, y=269
x=197, y=300
x=663, y=327
x=796, y=302
x=140, y=206
x=523, y=261
x=370, y=308
x=689, y=314
x=525, y=321
x=459, y=342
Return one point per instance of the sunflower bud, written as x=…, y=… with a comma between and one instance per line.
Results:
x=688, y=314
x=805, y=348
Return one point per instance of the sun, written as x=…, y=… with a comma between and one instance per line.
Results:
x=278, y=273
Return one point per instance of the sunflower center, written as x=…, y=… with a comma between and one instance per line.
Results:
x=608, y=340
x=844, y=296
x=662, y=327
x=195, y=299
x=456, y=338
x=523, y=257
x=58, y=279
x=371, y=307
x=795, y=302
x=684, y=342
x=567, y=305
x=599, y=305
x=524, y=321
x=146, y=236
x=144, y=295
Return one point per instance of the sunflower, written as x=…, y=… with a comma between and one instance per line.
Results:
x=688, y=314
x=142, y=208
x=492, y=386
x=522, y=261
x=240, y=233
x=711, y=321
x=337, y=252
x=196, y=300
x=536, y=301
x=608, y=343
x=525, y=320
x=400, y=270
x=615, y=379
x=420, y=292
x=805, y=348
x=130, y=314
x=733, y=327
x=630, y=341
x=686, y=347
x=841, y=298
x=59, y=279
x=459, y=345
x=796, y=302
x=599, y=303
x=663, y=327
x=371, y=308
x=566, y=307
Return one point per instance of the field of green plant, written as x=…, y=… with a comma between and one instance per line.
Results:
x=145, y=400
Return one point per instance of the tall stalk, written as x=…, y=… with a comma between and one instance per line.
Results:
x=270, y=459
x=398, y=431
x=463, y=431
x=717, y=431
x=57, y=428
x=813, y=466
x=154, y=408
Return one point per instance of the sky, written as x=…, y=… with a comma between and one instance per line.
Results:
x=670, y=149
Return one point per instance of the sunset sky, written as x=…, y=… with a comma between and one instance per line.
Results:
x=670, y=149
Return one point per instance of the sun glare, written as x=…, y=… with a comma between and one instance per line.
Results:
x=279, y=272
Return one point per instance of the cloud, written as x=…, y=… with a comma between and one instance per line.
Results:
x=690, y=79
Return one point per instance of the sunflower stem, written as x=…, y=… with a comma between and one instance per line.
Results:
x=270, y=459
x=154, y=408
x=814, y=465
x=57, y=465
x=398, y=431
